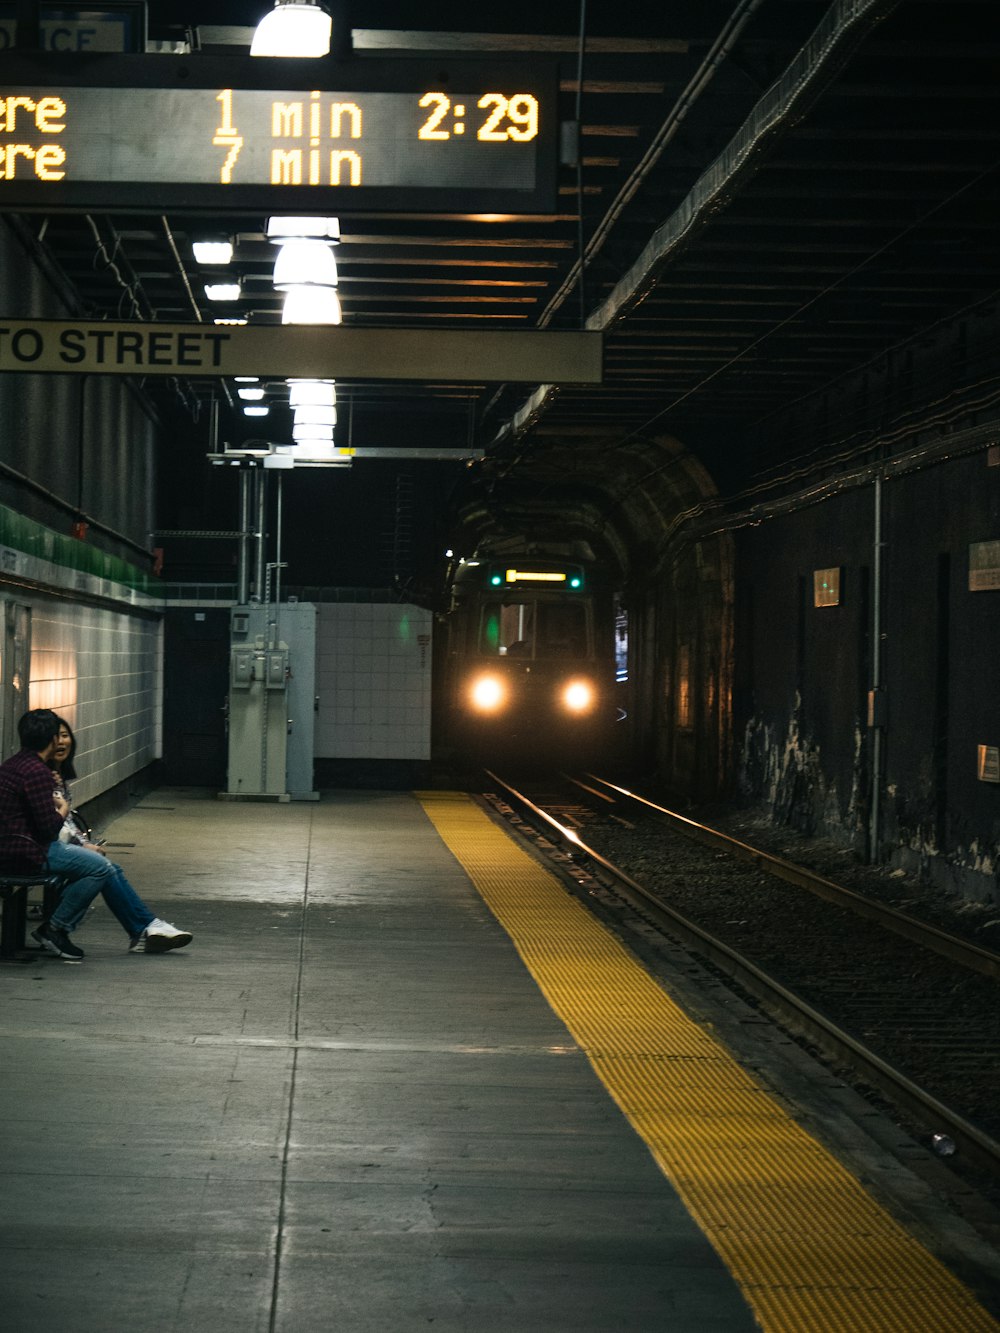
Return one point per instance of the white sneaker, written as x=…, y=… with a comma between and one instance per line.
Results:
x=159, y=936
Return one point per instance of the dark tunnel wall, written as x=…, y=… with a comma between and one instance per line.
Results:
x=804, y=671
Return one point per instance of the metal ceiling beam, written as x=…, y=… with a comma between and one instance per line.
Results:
x=838, y=35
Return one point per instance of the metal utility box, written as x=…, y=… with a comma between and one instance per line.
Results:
x=271, y=702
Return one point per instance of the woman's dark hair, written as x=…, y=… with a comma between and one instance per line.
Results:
x=36, y=728
x=67, y=770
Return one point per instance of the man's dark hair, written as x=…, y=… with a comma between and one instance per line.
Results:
x=37, y=728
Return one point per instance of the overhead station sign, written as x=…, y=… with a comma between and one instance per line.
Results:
x=307, y=351
x=133, y=133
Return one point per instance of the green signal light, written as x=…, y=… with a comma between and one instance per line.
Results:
x=576, y=582
x=496, y=580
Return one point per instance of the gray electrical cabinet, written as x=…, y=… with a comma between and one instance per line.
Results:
x=272, y=699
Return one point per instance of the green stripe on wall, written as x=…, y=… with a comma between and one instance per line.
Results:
x=34, y=539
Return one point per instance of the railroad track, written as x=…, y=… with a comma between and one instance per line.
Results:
x=909, y=1009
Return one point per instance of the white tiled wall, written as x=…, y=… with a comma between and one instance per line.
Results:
x=373, y=679
x=102, y=671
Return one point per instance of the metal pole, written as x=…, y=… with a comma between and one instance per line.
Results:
x=261, y=476
x=877, y=719
x=243, y=566
x=277, y=564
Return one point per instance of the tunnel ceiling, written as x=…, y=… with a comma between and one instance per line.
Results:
x=771, y=195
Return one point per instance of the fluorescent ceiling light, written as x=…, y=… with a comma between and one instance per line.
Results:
x=251, y=395
x=256, y=411
x=322, y=414
x=229, y=321
x=312, y=305
x=312, y=393
x=222, y=291
x=320, y=229
x=247, y=379
x=213, y=252
x=304, y=261
x=316, y=434
x=293, y=28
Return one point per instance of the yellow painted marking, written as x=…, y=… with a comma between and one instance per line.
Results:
x=811, y=1250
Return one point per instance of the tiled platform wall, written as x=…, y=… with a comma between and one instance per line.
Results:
x=102, y=670
x=373, y=679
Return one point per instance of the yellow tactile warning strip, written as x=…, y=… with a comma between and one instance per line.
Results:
x=809, y=1247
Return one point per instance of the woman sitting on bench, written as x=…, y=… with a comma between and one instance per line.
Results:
x=72, y=853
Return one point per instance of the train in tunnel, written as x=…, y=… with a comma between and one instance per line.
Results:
x=528, y=667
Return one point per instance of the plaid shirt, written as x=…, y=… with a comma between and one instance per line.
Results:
x=29, y=820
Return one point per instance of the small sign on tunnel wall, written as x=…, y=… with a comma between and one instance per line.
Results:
x=984, y=566
x=988, y=765
x=826, y=586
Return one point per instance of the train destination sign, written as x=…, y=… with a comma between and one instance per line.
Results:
x=201, y=350
x=132, y=133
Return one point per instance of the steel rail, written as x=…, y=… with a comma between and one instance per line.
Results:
x=952, y=947
x=781, y=1003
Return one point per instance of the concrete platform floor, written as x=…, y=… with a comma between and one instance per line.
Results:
x=346, y=1106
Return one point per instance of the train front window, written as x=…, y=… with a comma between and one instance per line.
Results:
x=534, y=629
x=507, y=628
x=562, y=630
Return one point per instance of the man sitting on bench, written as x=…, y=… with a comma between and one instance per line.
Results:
x=32, y=812
x=31, y=815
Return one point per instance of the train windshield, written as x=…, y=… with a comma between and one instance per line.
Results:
x=534, y=629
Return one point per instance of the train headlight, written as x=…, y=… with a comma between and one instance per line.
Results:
x=578, y=696
x=488, y=694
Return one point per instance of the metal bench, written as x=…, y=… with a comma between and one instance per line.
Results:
x=14, y=890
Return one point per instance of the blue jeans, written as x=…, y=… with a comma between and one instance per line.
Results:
x=90, y=874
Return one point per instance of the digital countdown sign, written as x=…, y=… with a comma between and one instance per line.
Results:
x=128, y=133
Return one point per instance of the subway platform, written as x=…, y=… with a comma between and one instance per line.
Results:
x=401, y=1079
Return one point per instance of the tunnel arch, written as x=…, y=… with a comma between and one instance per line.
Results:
x=636, y=502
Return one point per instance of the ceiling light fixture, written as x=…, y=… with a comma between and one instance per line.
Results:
x=251, y=395
x=313, y=434
x=223, y=291
x=311, y=393
x=256, y=411
x=312, y=305
x=312, y=414
x=213, y=252
x=280, y=229
x=293, y=28
x=304, y=261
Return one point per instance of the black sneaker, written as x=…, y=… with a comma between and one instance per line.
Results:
x=54, y=940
